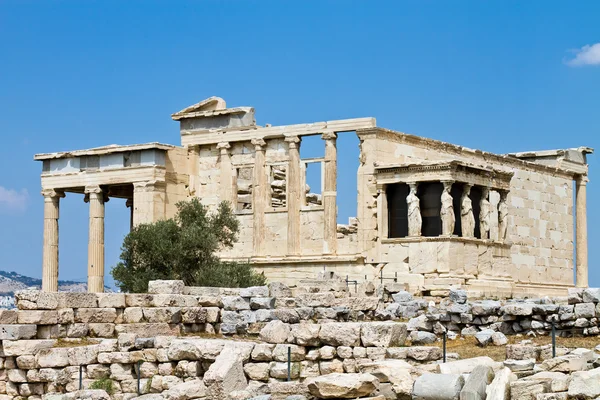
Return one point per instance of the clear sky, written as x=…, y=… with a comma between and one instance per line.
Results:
x=501, y=76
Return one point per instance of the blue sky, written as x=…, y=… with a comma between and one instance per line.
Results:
x=502, y=76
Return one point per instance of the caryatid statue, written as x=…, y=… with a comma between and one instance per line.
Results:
x=502, y=215
x=447, y=210
x=414, y=211
x=466, y=213
x=485, y=213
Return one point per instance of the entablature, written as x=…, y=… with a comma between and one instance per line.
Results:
x=455, y=171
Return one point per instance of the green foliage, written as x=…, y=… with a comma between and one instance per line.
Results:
x=104, y=384
x=184, y=248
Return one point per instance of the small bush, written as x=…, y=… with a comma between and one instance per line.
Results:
x=103, y=384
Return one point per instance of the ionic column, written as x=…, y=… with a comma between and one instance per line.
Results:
x=447, y=211
x=502, y=215
x=295, y=195
x=129, y=204
x=95, y=197
x=50, y=249
x=148, y=202
x=259, y=197
x=581, y=233
x=225, y=189
x=330, y=194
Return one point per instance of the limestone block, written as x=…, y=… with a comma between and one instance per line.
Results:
x=585, y=385
x=192, y=389
x=53, y=358
x=170, y=315
x=383, y=334
x=280, y=353
x=191, y=315
x=263, y=352
x=568, y=363
x=278, y=289
x=48, y=317
x=485, y=307
x=327, y=353
x=499, y=339
x=420, y=323
x=77, y=300
x=212, y=314
x=254, y=291
x=585, y=310
x=520, y=365
x=210, y=301
x=166, y=287
x=279, y=370
x=26, y=362
x=139, y=300
x=149, y=329
x=524, y=389
x=522, y=352
x=466, y=366
x=438, y=387
x=552, y=396
x=476, y=383
x=275, y=332
x=343, y=386
x=484, y=337
x=169, y=300
x=591, y=295
x=309, y=369
x=13, y=348
x=499, y=388
x=265, y=315
x=266, y=303
x=306, y=334
x=101, y=330
x=83, y=355
x=558, y=381
x=331, y=367
x=132, y=315
x=235, y=303
x=316, y=299
x=418, y=338
x=36, y=300
x=287, y=315
x=402, y=296
x=521, y=309
x=424, y=353
x=95, y=315
x=8, y=316
x=257, y=371
x=17, y=332
x=98, y=371
x=340, y=334
x=111, y=300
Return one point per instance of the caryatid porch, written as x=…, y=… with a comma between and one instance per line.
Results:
x=136, y=173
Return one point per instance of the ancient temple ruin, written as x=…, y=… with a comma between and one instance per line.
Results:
x=430, y=215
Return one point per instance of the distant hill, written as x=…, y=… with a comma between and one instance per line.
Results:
x=10, y=282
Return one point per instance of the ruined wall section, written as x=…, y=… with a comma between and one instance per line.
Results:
x=176, y=180
x=540, y=226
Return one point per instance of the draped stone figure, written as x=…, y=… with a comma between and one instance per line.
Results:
x=447, y=210
x=485, y=213
x=414, y=211
x=466, y=213
x=502, y=215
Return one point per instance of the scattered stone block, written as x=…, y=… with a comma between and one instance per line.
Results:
x=383, y=334
x=343, y=386
x=476, y=383
x=466, y=366
x=438, y=387
x=499, y=388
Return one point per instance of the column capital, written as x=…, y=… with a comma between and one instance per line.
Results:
x=258, y=144
x=93, y=189
x=582, y=180
x=292, y=141
x=129, y=203
x=51, y=193
x=329, y=136
x=448, y=182
x=148, y=186
x=223, y=146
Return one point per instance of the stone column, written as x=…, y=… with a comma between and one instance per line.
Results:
x=259, y=197
x=226, y=186
x=295, y=195
x=50, y=249
x=330, y=194
x=129, y=204
x=415, y=221
x=503, y=215
x=148, y=202
x=447, y=211
x=95, y=197
x=467, y=218
x=484, y=213
x=581, y=234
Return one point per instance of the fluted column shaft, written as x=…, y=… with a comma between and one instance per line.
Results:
x=148, y=202
x=330, y=194
x=294, y=196
x=96, y=240
x=50, y=249
x=259, y=200
x=226, y=193
x=581, y=234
